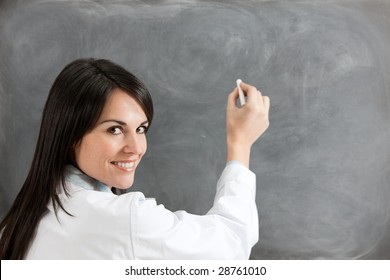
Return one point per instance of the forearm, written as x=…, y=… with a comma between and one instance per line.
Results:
x=238, y=152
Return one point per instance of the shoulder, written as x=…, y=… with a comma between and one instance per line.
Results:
x=80, y=201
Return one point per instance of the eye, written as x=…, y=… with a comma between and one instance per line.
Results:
x=115, y=130
x=142, y=129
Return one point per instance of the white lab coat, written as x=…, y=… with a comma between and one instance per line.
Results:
x=130, y=226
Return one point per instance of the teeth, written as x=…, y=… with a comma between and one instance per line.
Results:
x=124, y=164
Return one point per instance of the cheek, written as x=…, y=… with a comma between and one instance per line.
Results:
x=144, y=147
x=83, y=155
x=92, y=151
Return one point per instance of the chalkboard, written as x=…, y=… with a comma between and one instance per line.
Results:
x=323, y=167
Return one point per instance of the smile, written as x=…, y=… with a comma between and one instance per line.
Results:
x=127, y=166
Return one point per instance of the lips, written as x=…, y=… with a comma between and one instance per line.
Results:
x=124, y=165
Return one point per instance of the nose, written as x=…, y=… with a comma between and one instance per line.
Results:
x=134, y=144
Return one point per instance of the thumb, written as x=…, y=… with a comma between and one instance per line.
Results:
x=232, y=99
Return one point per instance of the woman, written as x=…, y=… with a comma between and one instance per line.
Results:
x=91, y=140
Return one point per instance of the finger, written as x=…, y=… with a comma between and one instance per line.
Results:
x=266, y=102
x=254, y=96
x=260, y=98
x=232, y=98
x=246, y=87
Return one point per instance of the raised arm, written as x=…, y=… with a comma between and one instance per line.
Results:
x=245, y=124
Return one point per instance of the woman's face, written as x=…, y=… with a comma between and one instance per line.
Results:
x=112, y=150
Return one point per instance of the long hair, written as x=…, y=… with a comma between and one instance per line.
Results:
x=75, y=102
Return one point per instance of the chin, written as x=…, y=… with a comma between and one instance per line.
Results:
x=124, y=186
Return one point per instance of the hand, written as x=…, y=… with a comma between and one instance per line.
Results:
x=245, y=124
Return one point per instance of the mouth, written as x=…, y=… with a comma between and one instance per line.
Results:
x=126, y=166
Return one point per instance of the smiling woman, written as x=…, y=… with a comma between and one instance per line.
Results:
x=91, y=140
x=112, y=150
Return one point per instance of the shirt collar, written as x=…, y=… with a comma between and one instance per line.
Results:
x=78, y=178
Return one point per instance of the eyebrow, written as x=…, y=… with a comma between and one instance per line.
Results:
x=122, y=122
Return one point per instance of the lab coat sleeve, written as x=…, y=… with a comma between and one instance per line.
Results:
x=227, y=231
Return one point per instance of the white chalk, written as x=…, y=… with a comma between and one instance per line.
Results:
x=240, y=92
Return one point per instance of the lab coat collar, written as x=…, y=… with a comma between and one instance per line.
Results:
x=78, y=178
